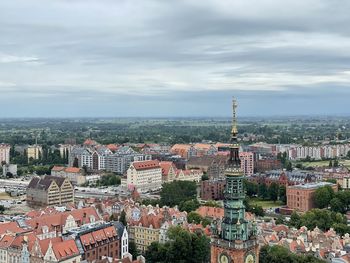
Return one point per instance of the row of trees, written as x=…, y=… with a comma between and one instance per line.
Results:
x=322, y=218
x=279, y=254
x=183, y=247
x=325, y=197
x=273, y=192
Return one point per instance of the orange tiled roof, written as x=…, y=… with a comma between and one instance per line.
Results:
x=72, y=170
x=6, y=241
x=65, y=249
x=202, y=146
x=145, y=165
x=98, y=235
x=82, y=216
x=112, y=147
x=165, y=165
x=10, y=227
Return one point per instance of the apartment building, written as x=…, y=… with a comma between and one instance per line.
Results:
x=4, y=153
x=247, y=163
x=34, y=152
x=145, y=176
x=119, y=162
x=50, y=191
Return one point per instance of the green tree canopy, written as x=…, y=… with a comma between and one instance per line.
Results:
x=176, y=192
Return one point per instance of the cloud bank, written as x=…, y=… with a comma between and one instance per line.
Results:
x=173, y=58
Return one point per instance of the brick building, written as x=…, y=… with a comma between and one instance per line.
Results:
x=301, y=197
x=97, y=241
x=213, y=189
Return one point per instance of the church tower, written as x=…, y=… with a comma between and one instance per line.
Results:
x=234, y=239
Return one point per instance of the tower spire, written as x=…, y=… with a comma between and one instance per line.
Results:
x=234, y=130
x=234, y=160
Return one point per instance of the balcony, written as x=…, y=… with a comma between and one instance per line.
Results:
x=237, y=244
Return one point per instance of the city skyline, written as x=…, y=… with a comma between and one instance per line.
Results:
x=182, y=59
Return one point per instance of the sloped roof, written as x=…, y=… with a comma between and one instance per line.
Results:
x=145, y=165
x=65, y=249
x=166, y=166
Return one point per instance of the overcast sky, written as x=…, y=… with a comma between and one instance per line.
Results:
x=173, y=58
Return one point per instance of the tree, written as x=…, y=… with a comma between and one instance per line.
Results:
x=262, y=191
x=295, y=220
x=189, y=205
x=182, y=247
x=337, y=205
x=282, y=194
x=330, y=164
x=289, y=166
x=273, y=191
x=205, y=177
x=251, y=188
x=2, y=209
x=133, y=249
x=122, y=218
x=279, y=254
x=194, y=217
x=176, y=192
x=323, y=196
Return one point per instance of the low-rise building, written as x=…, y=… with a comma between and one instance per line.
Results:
x=193, y=175
x=168, y=171
x=301, y=197
x=73, y=174
x=145, y=176
x=50, y=190
x=9, y=168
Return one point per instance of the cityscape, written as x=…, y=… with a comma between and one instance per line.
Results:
x=174, y=131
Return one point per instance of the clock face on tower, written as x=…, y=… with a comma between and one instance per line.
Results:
x=223, y=258
x=249, y=258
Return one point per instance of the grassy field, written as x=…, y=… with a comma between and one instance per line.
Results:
x=325, y=163
x=265, y=204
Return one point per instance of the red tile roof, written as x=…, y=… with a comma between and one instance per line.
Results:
x=145, y=165
x=82, y=216
x=65, y=249
x=98, y=235
x=10, y=227
x=166, y=166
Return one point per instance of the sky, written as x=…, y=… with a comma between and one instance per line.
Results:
x=121, y=58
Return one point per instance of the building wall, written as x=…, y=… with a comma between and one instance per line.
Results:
x=247, y=163
x=5, y=153
x=144, y=180
x=34, y=152
x=144, y=236
x=212, y=189
x=301, y=198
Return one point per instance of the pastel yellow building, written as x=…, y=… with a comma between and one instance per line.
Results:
x=34, y=152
